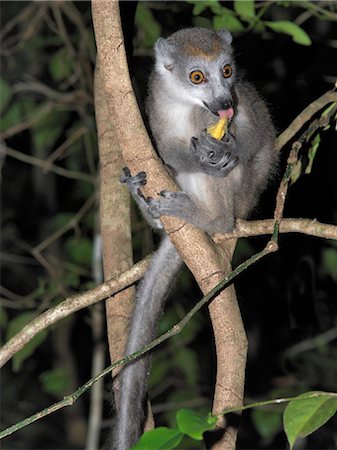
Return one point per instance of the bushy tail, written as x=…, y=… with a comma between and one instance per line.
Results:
x=150, y=299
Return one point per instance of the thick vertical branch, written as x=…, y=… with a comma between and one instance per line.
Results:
x=115, y=227
x=115, y=223
x=207, y=263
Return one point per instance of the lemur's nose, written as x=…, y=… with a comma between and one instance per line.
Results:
x=227, y=104
x=219, y=104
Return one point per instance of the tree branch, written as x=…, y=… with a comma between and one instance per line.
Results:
x=207, y=263
x=305, y=116
x=70, y=305
x=310, y=227
x=175, y=330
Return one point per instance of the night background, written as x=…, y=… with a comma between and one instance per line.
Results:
x=48, y=122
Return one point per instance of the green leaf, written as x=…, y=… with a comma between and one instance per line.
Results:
x=160, y=438
x=202, y=22
x=312, y=153
x=228, y=22
x=79, y=251
x=187, y=361
x=16, y=325
x=48, y=130
x=61, y=65
x=303, y=417
x=328, y=109
x=59, y=220
x=55, y=381
x=194, y=424
x=297, y=33
x=296, y=171
x=201, y=6
x=12, y=117
x=329, y=262
x=145, y=21
x=267, y=423
x=5, y=95
x=245, y=8
x=160, y=368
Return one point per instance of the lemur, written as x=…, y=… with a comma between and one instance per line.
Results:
x=194, y=82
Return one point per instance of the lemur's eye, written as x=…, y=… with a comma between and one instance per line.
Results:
x=197, y=77
x=227, y=71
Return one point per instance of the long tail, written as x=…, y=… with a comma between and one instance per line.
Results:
x=150, y=300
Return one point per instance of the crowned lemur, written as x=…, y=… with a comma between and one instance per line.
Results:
x=194, y=83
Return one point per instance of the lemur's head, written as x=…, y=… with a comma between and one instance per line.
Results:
x=197, y=67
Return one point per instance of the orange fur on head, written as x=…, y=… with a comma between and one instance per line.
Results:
x=201, y=53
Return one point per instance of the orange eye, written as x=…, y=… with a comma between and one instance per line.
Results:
x=197, y=77
x=227, y=71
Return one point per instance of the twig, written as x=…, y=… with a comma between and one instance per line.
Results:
x=57, y=153
x=80, y=301
x=96, y=393
x=303, y=117
x=31, y=20
x=41, y=163
x=70, y=305
x=312, y=343
x=278, y=401
x=68, y=226
x=35, y=117
x=176, y=329
x=310, y=227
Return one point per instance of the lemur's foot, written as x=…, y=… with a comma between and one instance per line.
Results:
x=217, y=158
x=133, y=182
x=175, y=204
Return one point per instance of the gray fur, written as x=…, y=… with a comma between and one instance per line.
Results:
x=220, y=181
x=149, y=303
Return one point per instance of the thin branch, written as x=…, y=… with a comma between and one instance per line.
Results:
x=305, y=116
x=77, y=134
x=310, y=227
x=41, y=163
x=96, y=393
x=68, y=226
x=311, y=343
x=175, y=330
x=243, y=228
x=35, y=117
x=70, y=305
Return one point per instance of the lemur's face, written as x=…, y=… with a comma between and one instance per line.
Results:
x=207, y=83
x=198, y=71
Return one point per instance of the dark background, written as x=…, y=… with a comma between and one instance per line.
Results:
x=285, y=299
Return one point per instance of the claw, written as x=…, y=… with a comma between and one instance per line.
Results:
x=126, y=175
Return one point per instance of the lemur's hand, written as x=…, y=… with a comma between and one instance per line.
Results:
x=134, y=182
x=217, y=158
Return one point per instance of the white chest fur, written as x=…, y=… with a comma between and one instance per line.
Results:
x=179, y=121
x=195, y=184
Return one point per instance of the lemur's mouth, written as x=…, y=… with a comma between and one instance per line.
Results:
x=229, y=113
x=223, y=112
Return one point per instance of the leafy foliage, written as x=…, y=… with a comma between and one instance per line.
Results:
x=16, y=325
x=55, y=381
x=267, y=423
x=189, y=423
x=303, y=415
x=306, y=414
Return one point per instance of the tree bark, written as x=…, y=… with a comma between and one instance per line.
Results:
x=114, y=224
x=207, y=263
x=115, y=229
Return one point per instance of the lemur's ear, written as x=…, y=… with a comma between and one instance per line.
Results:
x=163, y=51
x=225, y=36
